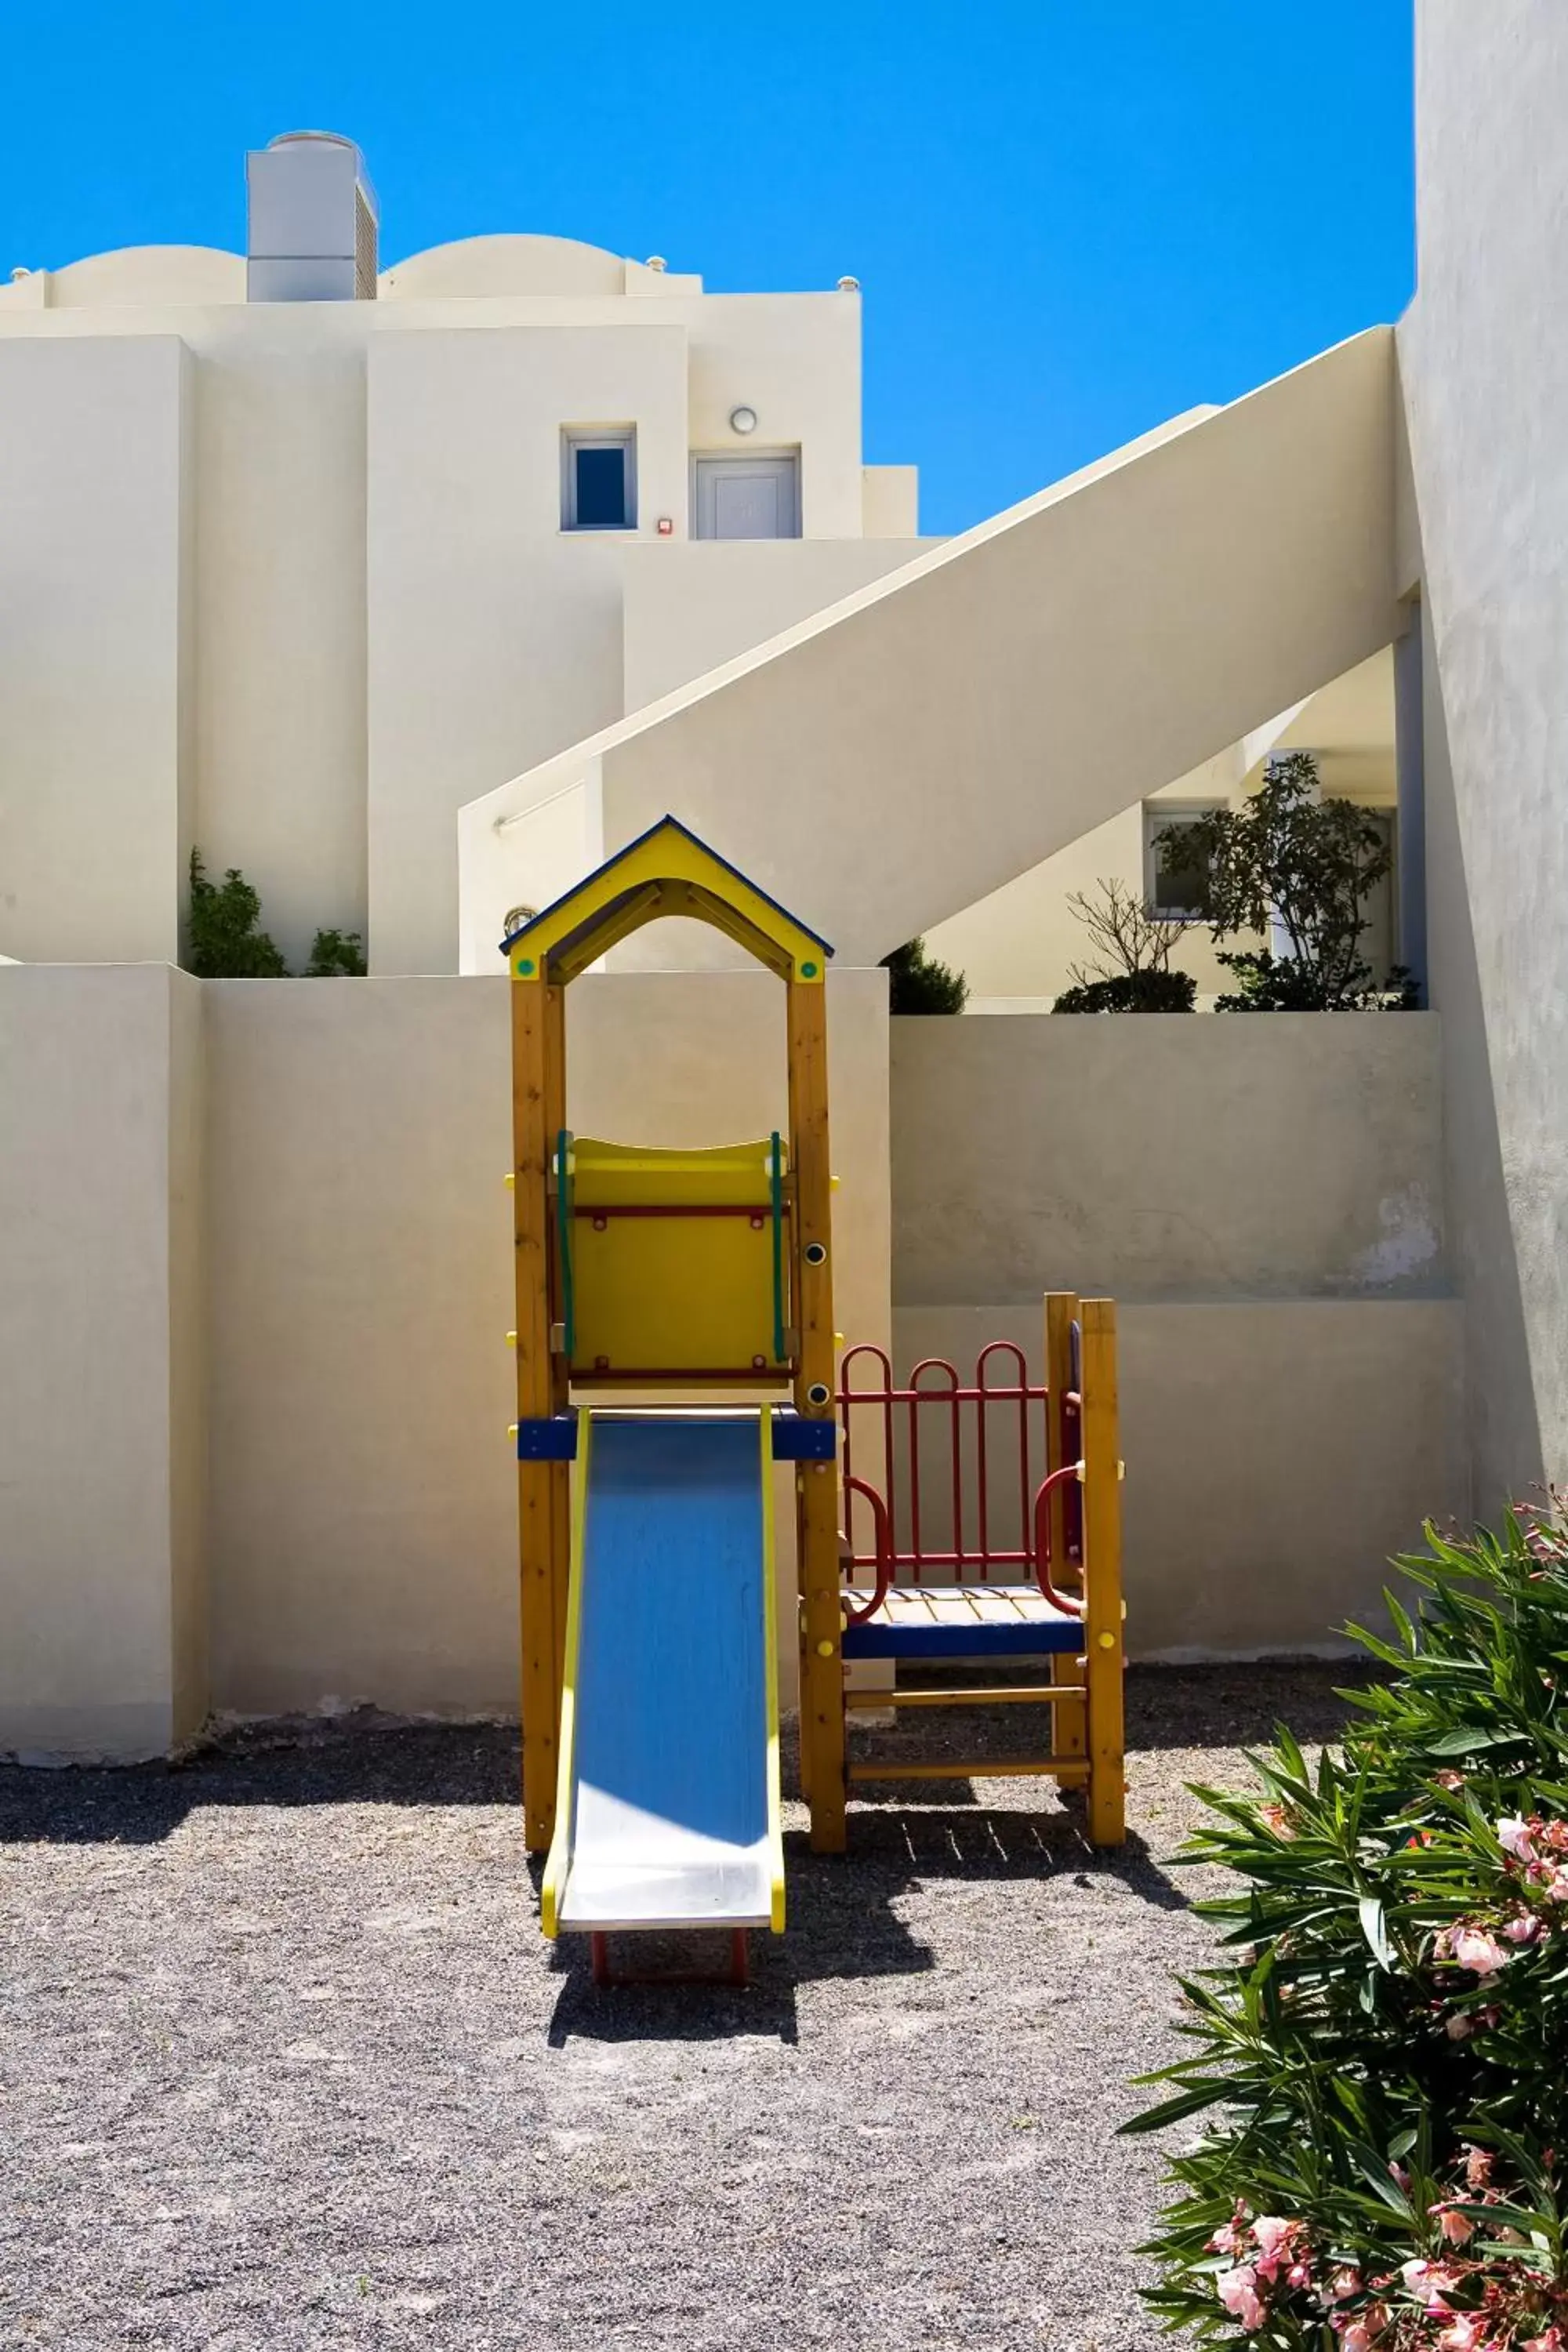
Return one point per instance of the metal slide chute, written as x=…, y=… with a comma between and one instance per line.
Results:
x=668, y=1809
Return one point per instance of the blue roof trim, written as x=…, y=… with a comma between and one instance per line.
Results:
x=625, y=850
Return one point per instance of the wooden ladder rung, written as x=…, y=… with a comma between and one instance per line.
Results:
x=1025, y=1694
x=1060, y=1768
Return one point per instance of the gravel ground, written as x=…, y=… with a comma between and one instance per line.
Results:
x=285, y=2062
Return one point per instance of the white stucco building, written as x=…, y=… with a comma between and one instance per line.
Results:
x=307, y=559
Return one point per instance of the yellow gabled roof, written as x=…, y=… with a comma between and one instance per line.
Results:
x=666, y=871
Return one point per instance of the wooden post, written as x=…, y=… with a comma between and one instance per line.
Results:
x=1102, y=1613
x=1067, y=1716
x=816, y=1494
x=533, y=1144
x=560, y=1369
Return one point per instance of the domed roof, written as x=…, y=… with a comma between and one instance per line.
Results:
x=492, y=266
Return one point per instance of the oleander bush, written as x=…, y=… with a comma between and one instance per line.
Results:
x=1382, y=2067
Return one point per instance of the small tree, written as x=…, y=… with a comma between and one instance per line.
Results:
x=336, y=955
x=225, y=943
x=920, y=984
x=1131, y=968
x=1293, y=862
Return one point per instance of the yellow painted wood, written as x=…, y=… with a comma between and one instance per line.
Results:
x=559, y=1376
x=822, y=1716
x=770, y=1674
x=1019, y=1768
x=1062, y=1313
x=554, y=1881
x=1029, y=1694
x=532, y=1144
x=668, y=872
x=1102, y=1575
x=670, y=1293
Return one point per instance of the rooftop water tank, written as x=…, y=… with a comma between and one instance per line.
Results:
x=311, y=221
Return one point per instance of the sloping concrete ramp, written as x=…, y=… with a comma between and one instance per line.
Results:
x=669, y=1810
x=913, y=748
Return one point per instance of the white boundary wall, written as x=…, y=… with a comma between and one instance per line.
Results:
x=1262, y=1195
x=255, y=1286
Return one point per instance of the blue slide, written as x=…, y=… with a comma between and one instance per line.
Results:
x=667, y=1811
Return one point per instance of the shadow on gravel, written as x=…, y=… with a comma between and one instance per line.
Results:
x=844, y=1919
x=352, y=1760
x=364, y=1758
x=1239, y=1705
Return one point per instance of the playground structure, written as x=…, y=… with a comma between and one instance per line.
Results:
x=650, y=1695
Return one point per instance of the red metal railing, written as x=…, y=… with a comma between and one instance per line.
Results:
x=1014, y=1412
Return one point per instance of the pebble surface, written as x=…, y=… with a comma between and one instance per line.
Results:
x=285, y=2062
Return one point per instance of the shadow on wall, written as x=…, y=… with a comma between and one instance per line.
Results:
x=1507, y=1452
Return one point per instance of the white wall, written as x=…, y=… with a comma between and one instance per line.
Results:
x=1018, y=945
x=1262, y=1196
x=94, y=671
x=490, y=628
x=1484, y=360
x=369, y=640
x=102, y=1632
x=946, y=729
x=1278, y=1454
x=362, y=1515
x=1280, y=1155
x=692, y=605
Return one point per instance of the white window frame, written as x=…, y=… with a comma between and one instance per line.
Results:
x=1157, y=817
x=575, y=437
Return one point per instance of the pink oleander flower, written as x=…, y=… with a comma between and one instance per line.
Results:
x=1275, y=2240
x=1237, y=2291
x=1276, y=1818
x=1364, y=2331
x=1299, y=2274
x=1231, y=2237
x=1468, y=2334
x=1524, y=1928
x=1427, y=2283
x=1471, y=1947
x=1516, y=1837
x=1450, y=1779
x=1480, y=2166
x=1456, y=2228
x=1343, y=2284
x=1552, y=2341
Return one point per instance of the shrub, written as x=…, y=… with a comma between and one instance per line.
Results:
x=1130, y=970
x=1268, y=984
x=1133, y=992
x=1290, y=861
x=336, y=954
x=225, y=943
x=920, y=984
x=1386, y=2057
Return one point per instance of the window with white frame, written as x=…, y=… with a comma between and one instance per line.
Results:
x=1175, y=877
x=599, y=478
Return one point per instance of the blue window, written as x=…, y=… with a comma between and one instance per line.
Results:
x=599, y=488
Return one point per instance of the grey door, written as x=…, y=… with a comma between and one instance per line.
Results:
x=746, y=498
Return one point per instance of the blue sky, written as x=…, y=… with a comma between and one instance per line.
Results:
x=1071, y=217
